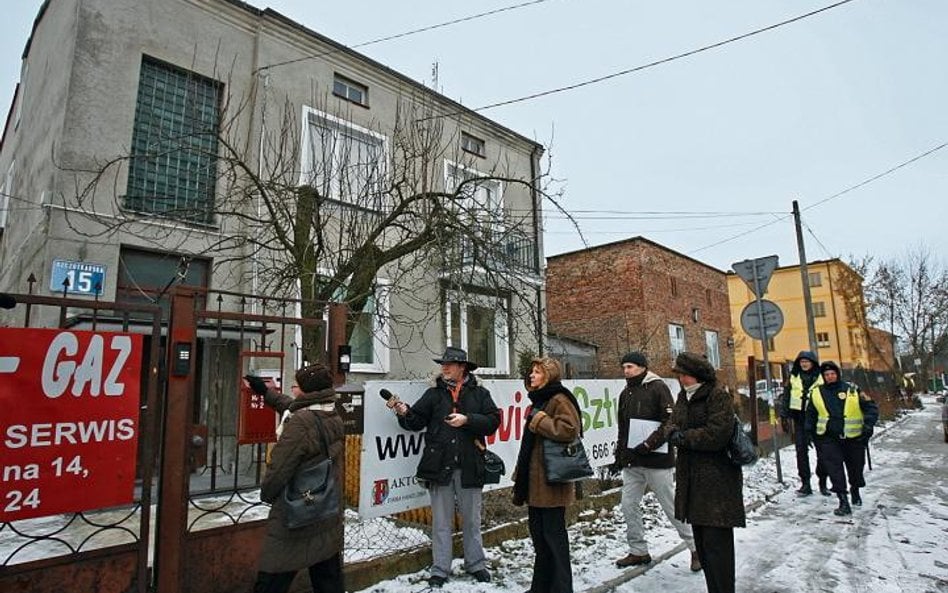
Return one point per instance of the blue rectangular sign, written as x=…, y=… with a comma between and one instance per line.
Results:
x=77, y=277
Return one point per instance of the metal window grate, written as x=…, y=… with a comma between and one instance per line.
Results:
x=173, y=168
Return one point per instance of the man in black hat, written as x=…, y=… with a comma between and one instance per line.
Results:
x=708, y=487
x=646, y=405
x=458, y=413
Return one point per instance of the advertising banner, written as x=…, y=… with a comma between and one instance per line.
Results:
x=69, y=425
x=390, y=455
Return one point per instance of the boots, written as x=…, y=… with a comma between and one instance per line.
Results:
x=805, y=489
x=857, y=500
x=843, y=508
x=823, y=489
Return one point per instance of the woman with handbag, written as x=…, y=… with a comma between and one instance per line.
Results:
x=309, y=421
x=555, y=415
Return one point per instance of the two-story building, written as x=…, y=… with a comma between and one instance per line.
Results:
x=635, y=294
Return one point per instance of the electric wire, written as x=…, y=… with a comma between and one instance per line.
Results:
x=405, y=33
x=653, y=64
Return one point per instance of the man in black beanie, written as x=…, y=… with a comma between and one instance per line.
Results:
x=645, y=405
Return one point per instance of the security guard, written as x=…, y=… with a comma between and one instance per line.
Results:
x=840, y=420
x=804, y=378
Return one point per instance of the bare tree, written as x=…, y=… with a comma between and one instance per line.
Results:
x=308, y=207
x=909, y=295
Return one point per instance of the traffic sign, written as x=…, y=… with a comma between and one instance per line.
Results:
x=762, y=267
x=773, y=320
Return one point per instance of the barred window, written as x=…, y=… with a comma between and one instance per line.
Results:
x=173, y=168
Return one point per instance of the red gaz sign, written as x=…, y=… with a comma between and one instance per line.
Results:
x=69, y=413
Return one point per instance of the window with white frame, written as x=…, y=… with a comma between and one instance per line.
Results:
x=482, y=198
x=822, y=339
x=6, y=190
x=370, y=336
x=343, y=161
x=711, y=348
x=479, y=325
x=676, y=338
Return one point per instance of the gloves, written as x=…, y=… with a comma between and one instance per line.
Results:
x=641, y=449
x=615, y=468
x=676, y=439
x=867, y=432
x=257, y=385
x=785, y=425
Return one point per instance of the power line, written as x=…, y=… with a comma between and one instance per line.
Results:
x=405, y=33
x=863, y=183
x=817, y=239
x=655, y=63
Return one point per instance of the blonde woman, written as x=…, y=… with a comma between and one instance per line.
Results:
x=554, y=415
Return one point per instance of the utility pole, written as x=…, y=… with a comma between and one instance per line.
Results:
x=805, y=276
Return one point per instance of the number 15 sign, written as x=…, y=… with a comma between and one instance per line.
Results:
x=69, y=427
x=76, y=277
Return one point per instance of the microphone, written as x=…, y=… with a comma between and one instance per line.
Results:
x=7, y=301
x=386, y=394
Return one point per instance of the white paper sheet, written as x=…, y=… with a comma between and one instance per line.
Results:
x=639, y=430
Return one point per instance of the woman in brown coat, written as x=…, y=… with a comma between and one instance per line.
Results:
x=555, y=415
x=316, y=547
x=708, y=487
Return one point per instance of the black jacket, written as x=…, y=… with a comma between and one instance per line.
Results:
x=446, y=447
x=835, y=405
x=645, y=397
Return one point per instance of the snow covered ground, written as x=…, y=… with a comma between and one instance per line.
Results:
x=896, y=542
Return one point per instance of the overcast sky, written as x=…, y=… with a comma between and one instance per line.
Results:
x=803, y=111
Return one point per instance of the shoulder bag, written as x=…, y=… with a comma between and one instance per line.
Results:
x=740, y=450
x=313, y=494
x=494, y=468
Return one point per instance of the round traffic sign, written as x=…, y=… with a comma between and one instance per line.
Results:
x=773, y=320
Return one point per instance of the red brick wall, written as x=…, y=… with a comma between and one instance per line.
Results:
x=619, y=297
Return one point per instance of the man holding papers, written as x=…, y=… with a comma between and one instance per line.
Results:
x=644, y=458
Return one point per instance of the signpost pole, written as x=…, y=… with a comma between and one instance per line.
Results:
x=764, y=336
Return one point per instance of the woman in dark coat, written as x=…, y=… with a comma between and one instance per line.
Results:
x=317, y=547
x=556, y=416
x=708, y=487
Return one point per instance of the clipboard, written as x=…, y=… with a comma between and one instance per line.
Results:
x=639, y=430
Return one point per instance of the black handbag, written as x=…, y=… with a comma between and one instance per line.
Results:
x=740, y=450
x=494, y=467
x=565, y=462
x=313, y=494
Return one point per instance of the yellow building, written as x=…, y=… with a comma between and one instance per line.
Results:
x=838, y=311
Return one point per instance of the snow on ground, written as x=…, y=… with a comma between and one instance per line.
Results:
x=897, y=542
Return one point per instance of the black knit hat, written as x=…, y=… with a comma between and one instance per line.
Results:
x=314, y=377
x=694, y=365
x=636, y=358
x=829, y=365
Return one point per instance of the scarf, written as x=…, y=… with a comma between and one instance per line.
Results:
x=324, y=407
x=691, y=390
x=538, y=400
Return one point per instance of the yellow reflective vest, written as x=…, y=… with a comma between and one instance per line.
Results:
x=852, y=413
x=797, y=394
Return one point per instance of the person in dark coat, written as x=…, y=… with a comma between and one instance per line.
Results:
x=554, y=415
x=804, y=377
x=708, y=487
x=649, y=462
x=840, y=421
x=316, y=547
x=457, y=414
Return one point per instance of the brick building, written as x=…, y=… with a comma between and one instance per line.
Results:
x=638, y=295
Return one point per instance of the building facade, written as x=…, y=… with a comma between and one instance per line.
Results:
x=638, y=295
x=838, y=311
x=148, y=138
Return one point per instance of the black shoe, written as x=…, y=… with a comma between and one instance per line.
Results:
x=843, y=508
x=481, y=575
x=436, y=582
x=804, y=490
x=824, y=490
x=857, y=500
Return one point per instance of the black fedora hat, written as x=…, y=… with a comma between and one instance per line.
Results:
x=452, y=354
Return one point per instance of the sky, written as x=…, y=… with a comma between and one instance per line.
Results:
x=698, y=152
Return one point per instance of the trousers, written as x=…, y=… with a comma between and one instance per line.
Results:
x=842, y=458
x=552, y=572
x=803, y=453
x=444, y=499
x=716, y=552
x=325, y=577
x=662, y=484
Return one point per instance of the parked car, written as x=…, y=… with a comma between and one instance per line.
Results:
x=762, y=392
x=944, y=419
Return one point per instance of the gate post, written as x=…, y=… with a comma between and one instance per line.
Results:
x=174, y=477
